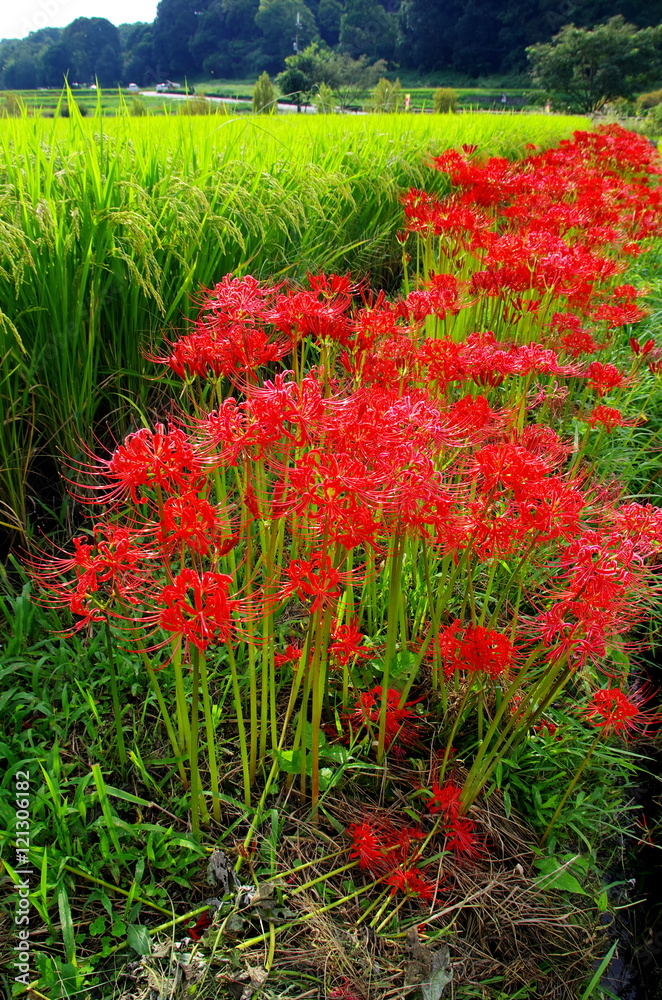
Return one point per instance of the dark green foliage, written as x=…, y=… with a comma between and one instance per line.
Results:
x=176, y=23
x=586, y=69
x=367, y=29
x=230, y=39
x=94, y=49
x=281, y=35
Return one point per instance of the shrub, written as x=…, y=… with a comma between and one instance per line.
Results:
x=13, y=106
x=264, y=96
x=650, y=100
x=387, y=97
x=201, y=106
x=137, y=108
x=445, y=100
x=326, y=101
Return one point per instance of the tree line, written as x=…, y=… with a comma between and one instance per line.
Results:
x=240, y=38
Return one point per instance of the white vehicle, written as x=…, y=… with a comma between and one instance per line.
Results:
x=133, y=88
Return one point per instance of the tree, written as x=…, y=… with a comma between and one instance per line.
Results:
x=329, y=13
x=284, y=24
x=139, y=65
x=95, y=50
x=264, y=96
x=428, y=32
x=367, y=30
x=306, y=71
x=175, y=25
x=587, y=68
x=53, y=64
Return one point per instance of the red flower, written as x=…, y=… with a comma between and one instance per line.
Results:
x=198, y=608
x=412, y=883
x=605, y=378
x=609, y=417
x=400, y=722
x=346, y=643
x=315, y=577
x=612, y=711
x=445, y=799
x=167, y=460
x=479, y=649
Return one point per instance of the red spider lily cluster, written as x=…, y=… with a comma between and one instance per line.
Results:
x=394, y=852
x=342, y=449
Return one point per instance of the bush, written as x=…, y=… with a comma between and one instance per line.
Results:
x=445, y=100
x=387, y=97
x=137, y=108
x=650, y=100
x=201, y=106
x=13, y=106
x=654, y=121
x=326, y=101
x=264, y=96
x=65, y=112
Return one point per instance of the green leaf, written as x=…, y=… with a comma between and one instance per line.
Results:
x=98, y=926
x=138, y=938
x=68, y=936
x=555, y=875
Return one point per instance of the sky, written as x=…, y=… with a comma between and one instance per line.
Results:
x=20, y=17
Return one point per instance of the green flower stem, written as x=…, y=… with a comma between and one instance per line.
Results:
x=211, y=740
x=181, y=705
x=241, y=727
x=517, y=727
x=275, y=767
x=571, y=787
x=319, y=668
x=117, y=713
x=165, y=715
x=198, y=812
x=394, y=596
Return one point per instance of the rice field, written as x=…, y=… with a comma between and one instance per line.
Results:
x=110, y=226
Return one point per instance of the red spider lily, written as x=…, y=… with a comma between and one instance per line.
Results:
x=390, y=852
x=197, y=607
x=321, y=312
x=291, y=655
x=605, y=378
x=401, y=723
x=346, y=991
x=546, y=726
x=613, y=712
x=445, y=799
x=226, y=352
x=478, y=649
x=345, y=644
x=113, y=563
x=439, y=296
x=367, y=847
x=191, y=521
x=643, y=349
x=167, y=460
x=411, y=883
x=609, y=417
x=315, y=577
x=462, y=839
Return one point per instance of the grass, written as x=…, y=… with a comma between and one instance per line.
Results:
x=116, y=223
